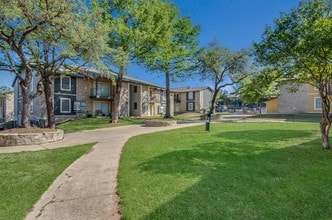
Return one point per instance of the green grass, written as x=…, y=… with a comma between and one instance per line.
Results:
x=305, y=117
x=237, y=171
x=94, y=123
x=26, y=176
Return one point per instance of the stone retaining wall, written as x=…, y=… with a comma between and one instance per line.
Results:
x=16, y=139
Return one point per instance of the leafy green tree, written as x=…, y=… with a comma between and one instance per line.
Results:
x=260, y=86
x=41, y=36
x=18, y=20
x=173, y=55
x=24, y=25
x=134, y=27
x=300, y=46
x=222, y=67
x=76, y=38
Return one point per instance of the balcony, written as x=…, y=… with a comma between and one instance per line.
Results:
x=154, y=99
x=100, y=95
x=177, y=100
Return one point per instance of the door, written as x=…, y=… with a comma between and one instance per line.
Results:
x=101, y=108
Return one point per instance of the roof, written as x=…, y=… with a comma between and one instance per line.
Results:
x=96, y=74
x=191, y=89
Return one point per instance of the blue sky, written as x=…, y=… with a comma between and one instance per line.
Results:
x=235, y=24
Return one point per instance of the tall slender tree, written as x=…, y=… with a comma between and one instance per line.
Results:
x=300, y=46
x=173, y=56
x=135, y=27
x=222, y=67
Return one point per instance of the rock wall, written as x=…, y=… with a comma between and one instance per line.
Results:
x=16, y=139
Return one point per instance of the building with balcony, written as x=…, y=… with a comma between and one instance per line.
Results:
x=85, y=95
x=192, y=99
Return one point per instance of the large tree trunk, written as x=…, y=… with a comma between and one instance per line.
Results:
x=325, y=124
x=213, y=101
x=168, y=96
x=25, y=120
x=117, y=95
x=49, y=102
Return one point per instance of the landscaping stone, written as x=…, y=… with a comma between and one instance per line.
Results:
x=33, y=138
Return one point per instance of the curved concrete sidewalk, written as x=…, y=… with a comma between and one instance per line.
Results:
x=87, y=189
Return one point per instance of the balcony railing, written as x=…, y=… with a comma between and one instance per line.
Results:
x=177, y=100
x=154, y=99
x=97, y=95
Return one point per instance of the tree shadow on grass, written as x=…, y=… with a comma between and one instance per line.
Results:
x=270, y=135
x=246, y=181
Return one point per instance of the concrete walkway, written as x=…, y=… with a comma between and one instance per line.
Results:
x=87, y=189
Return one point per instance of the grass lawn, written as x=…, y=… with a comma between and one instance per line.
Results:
x=94, y=123
x=26, y=176
x=237, y=171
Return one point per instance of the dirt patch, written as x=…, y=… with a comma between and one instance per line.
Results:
x=27, y=130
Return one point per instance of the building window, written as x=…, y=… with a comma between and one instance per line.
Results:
x=65, y=83
x=318, y=103
x=65, y=105
x=163, y=95
x=190, y=106
x=190, y=95
x=135, y=89
x=101, y=90
x=135, y=105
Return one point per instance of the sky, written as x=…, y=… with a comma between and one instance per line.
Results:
x=236, y=24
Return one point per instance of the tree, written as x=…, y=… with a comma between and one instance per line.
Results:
x=221, y=66
x=133, y=29
x=300, y=46
x=17, y=21
x=76, y=37
x=40, y=36
x=21, y=23
x=173, y=56
x=260, y=86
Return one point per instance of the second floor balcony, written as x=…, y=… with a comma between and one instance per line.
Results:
x=154, y=98
x=100, y=94
x=177, y=100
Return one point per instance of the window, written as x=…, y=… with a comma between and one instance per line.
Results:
x=190, y=106
x=135, y=105
x=65, y=83
x=101, y=89
x=190, y=95
x=65, y=105
x=176, y=98
x=101, y=108
x=163, y=95
x=318, y=103
x=135, y=89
